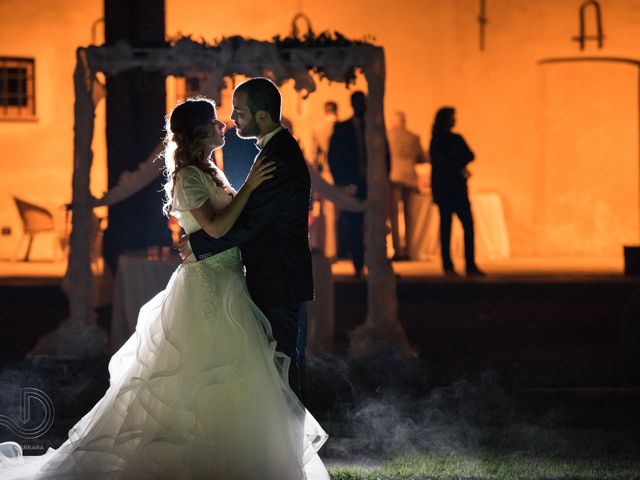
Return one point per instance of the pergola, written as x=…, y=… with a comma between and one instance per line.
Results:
x=330, y=56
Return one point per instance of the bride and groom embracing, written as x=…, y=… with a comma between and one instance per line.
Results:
x=207, y=387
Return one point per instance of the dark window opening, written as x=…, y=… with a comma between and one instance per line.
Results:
x=17, y=88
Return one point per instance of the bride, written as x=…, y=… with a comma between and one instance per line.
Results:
x=199, y=390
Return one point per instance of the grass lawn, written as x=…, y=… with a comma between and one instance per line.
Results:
x=490, y=467
x=578, y=434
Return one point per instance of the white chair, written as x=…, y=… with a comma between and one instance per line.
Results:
x=35, y=220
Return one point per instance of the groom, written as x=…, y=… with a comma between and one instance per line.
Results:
x=272, y=230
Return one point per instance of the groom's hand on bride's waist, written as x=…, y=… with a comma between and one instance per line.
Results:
x=186, y=254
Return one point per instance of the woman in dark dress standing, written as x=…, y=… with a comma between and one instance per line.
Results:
x=450, y=156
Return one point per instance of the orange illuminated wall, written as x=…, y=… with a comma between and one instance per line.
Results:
x=558, y=143
x=36, y=157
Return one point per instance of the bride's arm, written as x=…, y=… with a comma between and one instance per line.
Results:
x=217, y=224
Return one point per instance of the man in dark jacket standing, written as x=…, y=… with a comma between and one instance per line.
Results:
x=348, y=165
x=272, y=230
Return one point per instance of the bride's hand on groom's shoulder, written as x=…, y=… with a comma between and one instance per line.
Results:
x=261, y=170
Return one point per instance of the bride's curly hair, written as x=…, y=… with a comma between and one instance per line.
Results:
x=187, y=127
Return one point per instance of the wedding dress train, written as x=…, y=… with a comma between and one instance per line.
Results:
x=197, y=392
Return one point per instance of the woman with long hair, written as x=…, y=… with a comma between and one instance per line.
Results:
x=450, y=156
x=199, y=390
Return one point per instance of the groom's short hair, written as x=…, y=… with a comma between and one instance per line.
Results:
x=262, y=94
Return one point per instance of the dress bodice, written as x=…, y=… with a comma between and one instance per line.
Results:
x=192, y=188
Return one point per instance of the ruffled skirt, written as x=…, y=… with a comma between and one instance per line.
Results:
x=197, y=392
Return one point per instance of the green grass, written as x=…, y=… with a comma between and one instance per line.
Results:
x=490, y=467
x=549, y=436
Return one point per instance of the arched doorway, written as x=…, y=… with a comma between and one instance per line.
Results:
x=587, y=186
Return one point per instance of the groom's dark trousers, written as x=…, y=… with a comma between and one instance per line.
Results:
x=286, y=326
x=272, y=232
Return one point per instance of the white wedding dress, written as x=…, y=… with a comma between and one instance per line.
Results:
x=197, y=392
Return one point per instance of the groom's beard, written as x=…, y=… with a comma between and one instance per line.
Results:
x=250, y=130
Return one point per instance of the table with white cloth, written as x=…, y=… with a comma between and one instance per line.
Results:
x=138, y=280
x=492, y=238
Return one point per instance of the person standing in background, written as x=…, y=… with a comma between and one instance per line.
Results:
x=348, y=164
x=450, y=156
x=319, y=162
x=406, y=152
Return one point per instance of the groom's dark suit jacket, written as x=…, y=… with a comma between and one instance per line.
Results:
x=272, y=231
